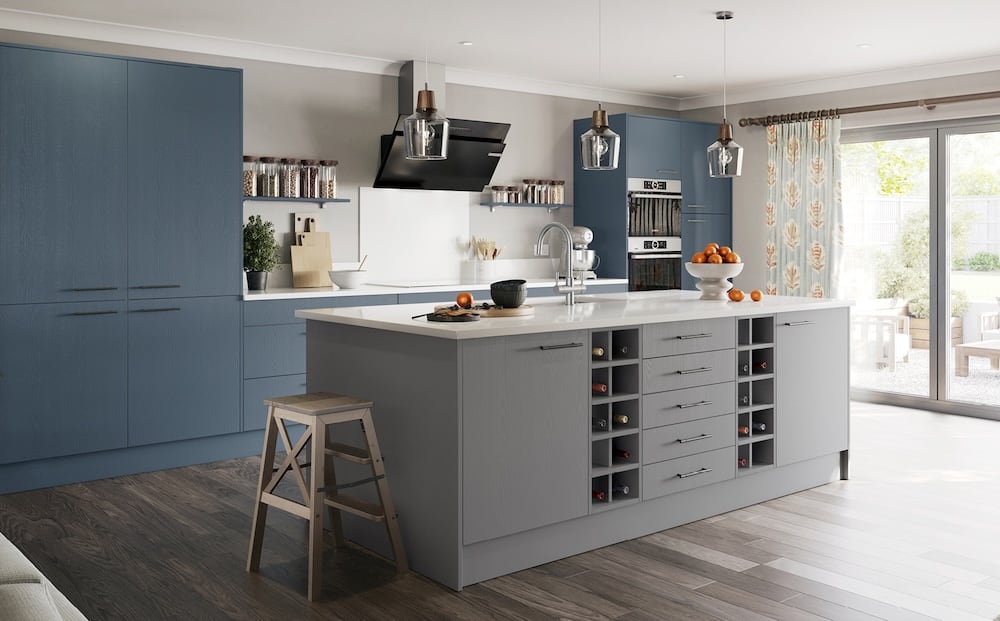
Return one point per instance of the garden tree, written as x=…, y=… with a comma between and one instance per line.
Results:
x=972, y=155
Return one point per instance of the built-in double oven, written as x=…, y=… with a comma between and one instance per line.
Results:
x=654, y=234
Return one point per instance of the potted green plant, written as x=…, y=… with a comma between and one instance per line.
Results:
x=260, y=252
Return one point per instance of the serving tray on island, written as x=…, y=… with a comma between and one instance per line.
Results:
x=490, y=310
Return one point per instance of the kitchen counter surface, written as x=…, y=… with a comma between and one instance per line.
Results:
x=600, y=310
x=290, y=293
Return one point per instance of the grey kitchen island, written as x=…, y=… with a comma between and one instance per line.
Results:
x=514, y=441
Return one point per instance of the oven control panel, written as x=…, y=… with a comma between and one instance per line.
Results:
x=654, y=244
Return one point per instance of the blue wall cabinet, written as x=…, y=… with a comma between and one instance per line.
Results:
x=184, y=378
x=62, y=176
x=651, y=144
x=701, y=192
x=184, y=192
x=62, y=379
x=697, y=230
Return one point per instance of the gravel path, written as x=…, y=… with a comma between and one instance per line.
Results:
x=981, y=386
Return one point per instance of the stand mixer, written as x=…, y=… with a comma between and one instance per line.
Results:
x=585, y=261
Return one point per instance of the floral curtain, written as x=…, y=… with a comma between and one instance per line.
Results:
x=803, y=214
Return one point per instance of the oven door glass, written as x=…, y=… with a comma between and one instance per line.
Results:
x=654, y=271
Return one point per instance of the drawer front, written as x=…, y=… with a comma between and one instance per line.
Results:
x=274, y=350
x=256, y=390
x=682, y=439
x=673, y=372
x=683, y=473
x=270, y=312
x=683, y=337
x=678, y=406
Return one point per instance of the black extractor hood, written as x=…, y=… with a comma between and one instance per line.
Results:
x=474, y=147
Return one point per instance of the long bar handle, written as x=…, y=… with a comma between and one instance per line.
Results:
x=690, y=371
x=156, y=310
x=695, y=473
x=797, y=323
x=685, y=406
x=90, y=313
x=686, y=337
x=703, y=436
x=82, y=289
x=698, y=221
x=157, y=287
x=666, y=170
x=562, y=346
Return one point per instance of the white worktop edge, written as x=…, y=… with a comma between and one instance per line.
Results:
x=291, y=293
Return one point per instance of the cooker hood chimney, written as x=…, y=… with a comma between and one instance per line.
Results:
x=474, y=147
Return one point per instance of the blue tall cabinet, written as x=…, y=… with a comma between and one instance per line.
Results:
x=120, y=220
x=652, y=148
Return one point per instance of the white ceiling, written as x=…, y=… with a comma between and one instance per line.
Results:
x=776, y=48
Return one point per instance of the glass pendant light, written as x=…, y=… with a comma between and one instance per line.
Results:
x=725, y=157
x=599, y=145
x=425, y=131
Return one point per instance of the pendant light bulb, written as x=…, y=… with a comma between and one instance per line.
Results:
x=599, y=146
x=425, y=131
x=725, y=157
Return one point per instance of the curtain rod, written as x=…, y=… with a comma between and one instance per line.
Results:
x=929, y=104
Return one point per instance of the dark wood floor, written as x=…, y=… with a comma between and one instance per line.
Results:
x=915, y=534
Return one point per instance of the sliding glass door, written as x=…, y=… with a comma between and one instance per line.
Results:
x=922, y=265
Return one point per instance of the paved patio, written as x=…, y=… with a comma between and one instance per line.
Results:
x=982, y=385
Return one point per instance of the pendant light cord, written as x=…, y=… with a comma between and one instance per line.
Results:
x=426, y=71
x=600, y=45
x=724, y=20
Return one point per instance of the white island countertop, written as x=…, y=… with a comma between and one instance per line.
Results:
x=599, y=310
x=290, y=293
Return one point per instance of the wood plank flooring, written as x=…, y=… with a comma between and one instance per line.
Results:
x=914, y=535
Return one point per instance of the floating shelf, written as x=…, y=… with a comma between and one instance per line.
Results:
x=289, y=199
x=548, y=206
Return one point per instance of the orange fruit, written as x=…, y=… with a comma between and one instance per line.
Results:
x=732, y=257
x=464, y=299
x=698, y=257
x=711, y=249
x=724, y=250
x=714, y=258
x=756, y=295
x=736, y=295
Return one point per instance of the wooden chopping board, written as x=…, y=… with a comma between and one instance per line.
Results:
x=314, y=239
x=495, y=311
x=311, y=266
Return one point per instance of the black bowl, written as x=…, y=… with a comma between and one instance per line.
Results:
x=509, y=293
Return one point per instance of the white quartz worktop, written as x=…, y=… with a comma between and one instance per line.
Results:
x=600, y=310
x=290, y=293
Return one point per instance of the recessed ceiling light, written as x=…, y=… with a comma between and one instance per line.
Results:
x=864, y=46
x=465, y=43
x=679, y=76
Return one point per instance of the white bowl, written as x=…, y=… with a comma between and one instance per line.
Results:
x=348, y=279
x=714, y=278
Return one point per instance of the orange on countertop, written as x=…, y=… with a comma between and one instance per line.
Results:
x=464, y=299
x=756, y=295
x=736, y=295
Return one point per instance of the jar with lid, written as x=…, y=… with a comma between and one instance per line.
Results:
x=543, y=191
x=309, y=173
x=290, y=173
x=558, y=192
x=500, y=194
x=513, y=194
x=328, y=178
x=250, y=172
x=267, y=179
x=530, y=193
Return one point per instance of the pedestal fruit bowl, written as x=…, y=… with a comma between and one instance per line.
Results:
x=713, y=278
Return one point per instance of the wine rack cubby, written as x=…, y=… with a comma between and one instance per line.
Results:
x=615, y=376
x=755, y=394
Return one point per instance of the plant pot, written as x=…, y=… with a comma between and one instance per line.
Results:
x=256, y=281
x=920, y=332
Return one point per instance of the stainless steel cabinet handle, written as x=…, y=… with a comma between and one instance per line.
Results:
x=797, y=323
x=79, y=289
x=685, y=406
x=563, y=346
x=690, y=221
x=156, y=310
x=690, y=371
x=694, y=205
x=89, y=313
x=666, y=170
x=695, y=473
x=703, y=436
x=157, y=287
x=703, y=335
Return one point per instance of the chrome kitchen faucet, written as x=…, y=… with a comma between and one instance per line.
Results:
x=570, y=288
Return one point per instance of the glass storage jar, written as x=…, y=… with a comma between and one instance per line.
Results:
x=310, y=178
x=530, y=193
x=500, y=194
x=290, y=173
x=558, y=192
x=543, y=191
x=267, y=180
x=250, y=172
x=513, y=194
x=328, y=178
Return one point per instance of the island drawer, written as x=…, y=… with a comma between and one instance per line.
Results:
x=673, y=372
x=683, y=473
x=678, y=406
x=682, y=439
x=271, y=312
x=682, y=337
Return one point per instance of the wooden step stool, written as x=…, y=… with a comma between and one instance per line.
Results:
x=318, y=412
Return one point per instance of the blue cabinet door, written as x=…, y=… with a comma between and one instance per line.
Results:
x=184, y=192
x=701, y=193
x=697, y=230
x=653, y=147
x=184, y=368
x=62, y=379
x=62, y=176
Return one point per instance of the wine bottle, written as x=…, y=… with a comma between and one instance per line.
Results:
x=745, y=368
x=761, y=365
x=599, y=424
x=620, y=452
x=597, y=352
x=597, y=494
x=758, y=427
x=741, y=462
x=744, y=399
x=599, y=388
x=620, y=490
x=621, y=351
x=619, y=419
x=743, y=430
